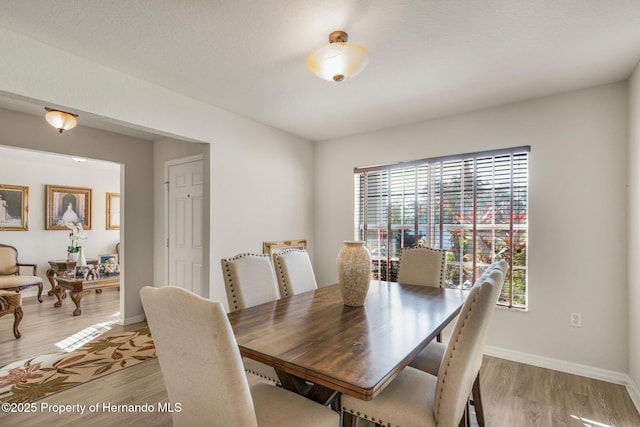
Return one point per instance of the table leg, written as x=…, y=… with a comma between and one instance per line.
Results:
x=59, y=293
x=77, y=297
x=293, y=383
x=50, y=275
x=315, y=392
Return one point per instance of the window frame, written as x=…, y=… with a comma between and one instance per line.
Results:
x=389, y=194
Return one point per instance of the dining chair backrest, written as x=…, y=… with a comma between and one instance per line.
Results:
x=199, y=358
x=294, y=272
x=249, y=280
x=422, y=266
x=463, y=355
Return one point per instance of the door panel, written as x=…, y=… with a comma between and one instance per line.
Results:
x=185, y=225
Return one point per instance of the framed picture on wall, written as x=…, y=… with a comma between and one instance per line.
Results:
x=113, y=211
x=278, y=246
x=14, y=208
x=67, y=204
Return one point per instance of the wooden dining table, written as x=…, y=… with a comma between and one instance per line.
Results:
x=319, y=347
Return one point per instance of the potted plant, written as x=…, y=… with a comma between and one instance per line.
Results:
x=74, y=250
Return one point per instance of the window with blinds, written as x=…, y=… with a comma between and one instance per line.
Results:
x=473, y=205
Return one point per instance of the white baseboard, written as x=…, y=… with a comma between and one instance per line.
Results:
x=133, y=319
x=570, y=368
x=634, y=393
x=559, y=365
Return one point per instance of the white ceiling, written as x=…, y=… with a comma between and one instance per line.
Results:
x=46, y=159
x=429, y=58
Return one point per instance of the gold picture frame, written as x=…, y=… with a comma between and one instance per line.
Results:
x=280, y=245
x=67, y=204
x=113, y=211
x=14, y=208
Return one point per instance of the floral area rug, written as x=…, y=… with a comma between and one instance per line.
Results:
x=32, y=379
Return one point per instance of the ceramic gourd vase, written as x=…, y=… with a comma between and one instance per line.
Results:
x=354, y=272
x=81, y=259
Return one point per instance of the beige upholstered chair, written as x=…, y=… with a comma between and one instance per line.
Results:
x=430, y=359
x=294, y=272
x=10, y=278
x=11, y=303
x=202, y=369
x=416, y=398
x=249, y=280
x=422, y=266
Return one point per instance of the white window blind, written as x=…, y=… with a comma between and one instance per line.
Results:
x=473, y=205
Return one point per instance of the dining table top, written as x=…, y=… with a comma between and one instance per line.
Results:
x=315, y=338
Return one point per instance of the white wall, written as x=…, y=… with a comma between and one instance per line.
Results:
x=577, y=242
x=261, y=178
x=634, y=230
x=261, y=190
x=38, y=245
x=136, y=159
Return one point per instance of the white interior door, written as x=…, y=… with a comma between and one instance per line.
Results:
x=185, y=224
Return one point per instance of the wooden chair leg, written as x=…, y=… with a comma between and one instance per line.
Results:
x=348, y=419
x=465, y=421
x=351, y=420
x=17, y=317
x=477, y=401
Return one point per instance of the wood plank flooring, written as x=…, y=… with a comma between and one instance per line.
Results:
x=514, y=394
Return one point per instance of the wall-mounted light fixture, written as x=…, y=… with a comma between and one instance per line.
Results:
x=60, y=120
x=338, y=60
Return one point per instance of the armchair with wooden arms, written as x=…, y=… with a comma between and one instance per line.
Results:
x=10, y=277
x=11, y=303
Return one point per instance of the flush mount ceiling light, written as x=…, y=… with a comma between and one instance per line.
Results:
x=60, y=120
x=338, y=60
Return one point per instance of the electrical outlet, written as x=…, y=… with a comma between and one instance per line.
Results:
x=576, y=320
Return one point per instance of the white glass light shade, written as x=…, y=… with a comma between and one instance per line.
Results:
x=338, y=61
x=61, y=120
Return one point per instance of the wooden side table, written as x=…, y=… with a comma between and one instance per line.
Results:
x=81, y=287
x=58, y=268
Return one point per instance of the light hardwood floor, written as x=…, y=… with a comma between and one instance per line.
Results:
x=514, y=394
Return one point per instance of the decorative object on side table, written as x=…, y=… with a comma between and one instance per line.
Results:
x=81, y=259
x=108, y=266
x=74, y=251
x=354, y=272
